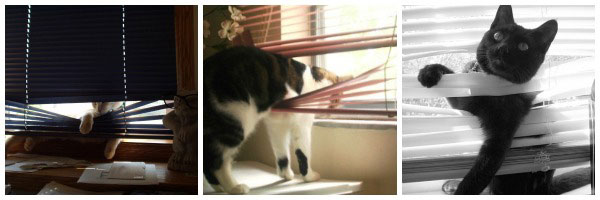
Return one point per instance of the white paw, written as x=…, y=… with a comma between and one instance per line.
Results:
x=87, y=122
x=29, y=144
x=287, y=173
x=311, y=176
x=239, y=189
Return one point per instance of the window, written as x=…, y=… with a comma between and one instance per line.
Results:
x=59, y=57
x=557, y=126
x=347, y=40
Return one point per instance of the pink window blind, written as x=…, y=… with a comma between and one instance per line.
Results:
x=271, y=28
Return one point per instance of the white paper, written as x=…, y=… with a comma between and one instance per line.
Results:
x=98, y=174
x=127, y=170
x=54, y=188
x=25, y=163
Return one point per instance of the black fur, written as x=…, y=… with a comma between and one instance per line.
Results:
x=500, y=116
x=282, y=163
x=302, y=162
x=235, y=74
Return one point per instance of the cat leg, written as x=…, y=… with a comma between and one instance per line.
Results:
x=111, y=148
x=280, y=142
x=31, y=142
x=224, y=176
x=212, y=180
x=87, y=122
x=301, y=138
x=571, y=180
x=488, y=162
x=430, y=75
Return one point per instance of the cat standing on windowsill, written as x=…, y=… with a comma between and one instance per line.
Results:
x=241, y=84
x=87, y=122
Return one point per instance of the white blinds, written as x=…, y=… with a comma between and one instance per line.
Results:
x=430, y=31
x=441, y=143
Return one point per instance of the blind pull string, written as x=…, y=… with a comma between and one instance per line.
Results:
x=27, y=68
x=268, y=24
x=385, y=67
x=124, y=67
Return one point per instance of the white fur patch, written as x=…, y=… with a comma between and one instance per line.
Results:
x=246, y=113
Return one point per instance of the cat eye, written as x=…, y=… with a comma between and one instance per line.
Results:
x=523, y=46
x=498, y=36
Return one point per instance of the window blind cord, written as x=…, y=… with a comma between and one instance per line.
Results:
x=124, y=68
x=385, y=91
x=27, y=68
x=268, y=24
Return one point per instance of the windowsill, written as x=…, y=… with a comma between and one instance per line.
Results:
x=435, y=187
x=262, y=180
x=356, y=124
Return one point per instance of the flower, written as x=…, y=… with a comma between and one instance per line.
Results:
x=206, y=29
x=230, y=29
x=236, y=14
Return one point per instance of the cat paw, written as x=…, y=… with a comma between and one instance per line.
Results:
x=29, y=144
x=109, y=153
x=239, y=189
x=287, y=174
x=86, y=124
x=311, y=176
x=450, y=186
x=430, y=75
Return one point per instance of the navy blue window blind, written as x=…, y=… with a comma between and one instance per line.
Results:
x=74, y=54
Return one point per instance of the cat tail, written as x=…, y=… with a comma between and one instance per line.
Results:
x=571, y=180
x=488, y=162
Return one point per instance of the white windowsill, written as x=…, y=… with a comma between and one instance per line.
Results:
x=356, y=124
x=262, y=180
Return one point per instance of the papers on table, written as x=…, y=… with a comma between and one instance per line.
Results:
x=120, y=173
x=26, y=163
x=54, y=188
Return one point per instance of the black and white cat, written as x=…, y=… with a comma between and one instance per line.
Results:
x=241, y=84
x=515, y=54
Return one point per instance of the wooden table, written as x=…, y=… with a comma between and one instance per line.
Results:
x=157, y=154
x=35, y=181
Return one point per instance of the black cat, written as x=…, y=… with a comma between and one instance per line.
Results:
x=515, y=54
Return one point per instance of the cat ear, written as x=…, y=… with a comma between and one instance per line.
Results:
x=503, y=16
x=546, y=32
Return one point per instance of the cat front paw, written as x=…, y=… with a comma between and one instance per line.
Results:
x=29, y=144
x=311, y=176
x=450, y=186
x=109, y=153
x=430, y=75
x=87, y=122
x=239, y=189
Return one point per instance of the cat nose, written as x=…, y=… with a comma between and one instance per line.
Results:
x=502, y=49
